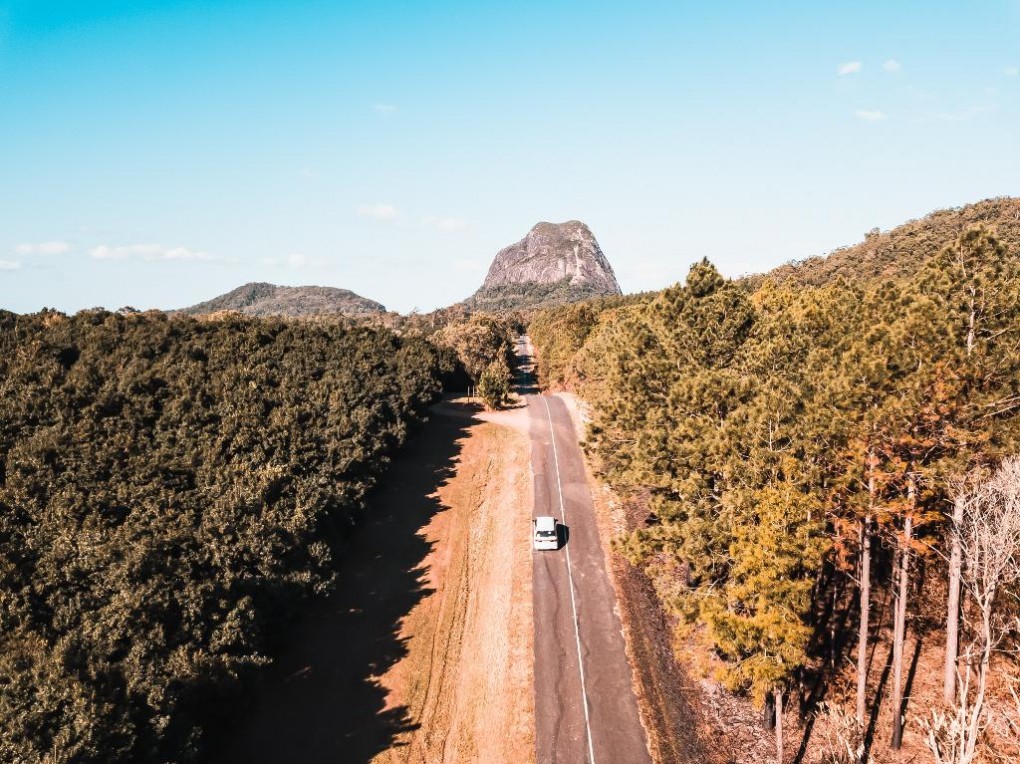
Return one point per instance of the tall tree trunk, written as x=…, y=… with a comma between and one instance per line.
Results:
x=862, y=635
x=779, y=724
x=953, y=609
x=865, y=587
x=900, y=626
x=976, y=714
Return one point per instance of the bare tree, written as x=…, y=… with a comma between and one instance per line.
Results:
x=844, y=742
x=989, y=541
x=953, y=609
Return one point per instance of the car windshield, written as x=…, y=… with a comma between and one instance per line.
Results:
x=546, y=534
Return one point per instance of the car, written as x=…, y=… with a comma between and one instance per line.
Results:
x=546, y=533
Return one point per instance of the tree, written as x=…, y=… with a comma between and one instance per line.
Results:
x=989, y=541
x=495, y=383
x=974, y=286
x=478, y=342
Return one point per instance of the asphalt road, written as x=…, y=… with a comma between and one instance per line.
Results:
x=585, y=708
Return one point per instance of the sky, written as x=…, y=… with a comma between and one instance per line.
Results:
x=156, y=154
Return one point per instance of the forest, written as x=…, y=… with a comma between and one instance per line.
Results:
x=171, y=490
x=801, y=448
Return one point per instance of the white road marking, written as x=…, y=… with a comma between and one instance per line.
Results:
x=570, y=578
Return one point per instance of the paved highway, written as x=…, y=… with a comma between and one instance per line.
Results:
x=585, y=706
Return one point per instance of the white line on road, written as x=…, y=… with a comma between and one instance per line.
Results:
x=570, y=578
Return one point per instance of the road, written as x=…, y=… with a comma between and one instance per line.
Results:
x=585, y=707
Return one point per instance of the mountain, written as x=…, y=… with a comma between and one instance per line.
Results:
x=902, y=250
x=554, y=263
x=261, y=299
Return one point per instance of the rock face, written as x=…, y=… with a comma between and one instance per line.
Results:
x=261, y=299
x=552, y=253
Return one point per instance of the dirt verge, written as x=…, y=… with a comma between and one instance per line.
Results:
x=466, y=678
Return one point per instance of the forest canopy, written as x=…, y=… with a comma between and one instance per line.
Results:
x=168, y=489
x=797, y=441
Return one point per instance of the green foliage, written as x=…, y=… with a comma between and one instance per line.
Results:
x=168, y=490
x=479, y=341
x=531, y=295
x=495, y=383
x=558, y=334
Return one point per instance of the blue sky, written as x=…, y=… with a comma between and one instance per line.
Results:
x=156, y=154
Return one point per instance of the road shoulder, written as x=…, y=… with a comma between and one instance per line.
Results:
x=466, y=677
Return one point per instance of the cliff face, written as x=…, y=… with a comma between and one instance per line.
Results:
x=554, y=264
x=552, y=253
x=260, y=299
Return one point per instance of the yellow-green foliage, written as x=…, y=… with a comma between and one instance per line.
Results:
x=495, y=383
x=478, y=341
x=748, y=418
x=558, y=333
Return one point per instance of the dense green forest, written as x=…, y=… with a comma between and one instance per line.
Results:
x=168, y=489
x=530, y=295
x=800, y=444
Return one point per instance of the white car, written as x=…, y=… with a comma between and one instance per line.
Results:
x=546, y=534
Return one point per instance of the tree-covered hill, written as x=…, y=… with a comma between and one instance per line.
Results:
x=905, y=248
x=261, y=299
x=168, y=489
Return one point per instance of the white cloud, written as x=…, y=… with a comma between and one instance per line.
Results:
x=43, y=248
x=384, y=108
x=444, y=224
x=9, y=265
x=148, y=252
x=869, y=116
x=377, y=211
x=892, y=65
x=850, y=67
x=1011, y=71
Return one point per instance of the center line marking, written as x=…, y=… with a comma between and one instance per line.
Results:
x=570, y=578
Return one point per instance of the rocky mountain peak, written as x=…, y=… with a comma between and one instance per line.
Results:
x=552, y=253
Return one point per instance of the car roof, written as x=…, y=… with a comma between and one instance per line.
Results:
x=545, y=523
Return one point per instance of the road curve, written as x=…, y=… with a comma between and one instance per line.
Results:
x=585, y=707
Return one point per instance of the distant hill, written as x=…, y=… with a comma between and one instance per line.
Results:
x=261, y=299
x=901, y=250
x=555, y=263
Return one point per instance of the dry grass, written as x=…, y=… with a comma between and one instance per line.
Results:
x=467, y=675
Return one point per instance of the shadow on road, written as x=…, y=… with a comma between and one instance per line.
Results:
x=320, y=701
x=525, y=379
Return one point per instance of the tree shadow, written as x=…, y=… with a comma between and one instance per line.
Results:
x=876, y=705
x=525, y=380
x=911, y=674
x=830, y=642
x=321, y=700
